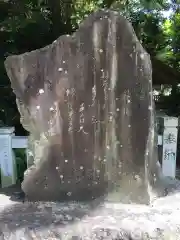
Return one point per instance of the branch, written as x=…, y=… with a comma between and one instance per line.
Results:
x=108, y=3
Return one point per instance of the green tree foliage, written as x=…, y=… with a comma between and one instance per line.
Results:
x=26, y=25
x=170, y=54
x=172, y=31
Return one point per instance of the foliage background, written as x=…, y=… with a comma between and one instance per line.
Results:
x=26, y=25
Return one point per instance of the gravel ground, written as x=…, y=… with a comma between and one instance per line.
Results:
x=99, y=220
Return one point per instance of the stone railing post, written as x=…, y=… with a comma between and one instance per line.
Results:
x=169, y=146
x=7, y=159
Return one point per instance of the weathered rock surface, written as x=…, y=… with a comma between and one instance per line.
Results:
x=86, y=100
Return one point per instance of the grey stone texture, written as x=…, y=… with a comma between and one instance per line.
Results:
x=86, y=100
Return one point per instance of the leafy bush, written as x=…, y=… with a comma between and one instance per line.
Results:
x=21, y=163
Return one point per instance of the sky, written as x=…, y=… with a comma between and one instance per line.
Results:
x=167, y=13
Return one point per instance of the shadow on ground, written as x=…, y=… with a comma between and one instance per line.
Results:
x=14, y=192
x=33, y=215
x=57, y=221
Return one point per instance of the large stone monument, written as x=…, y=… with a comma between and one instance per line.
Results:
x=86, y=100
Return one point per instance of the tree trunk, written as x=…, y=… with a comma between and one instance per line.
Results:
x=60, y=17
